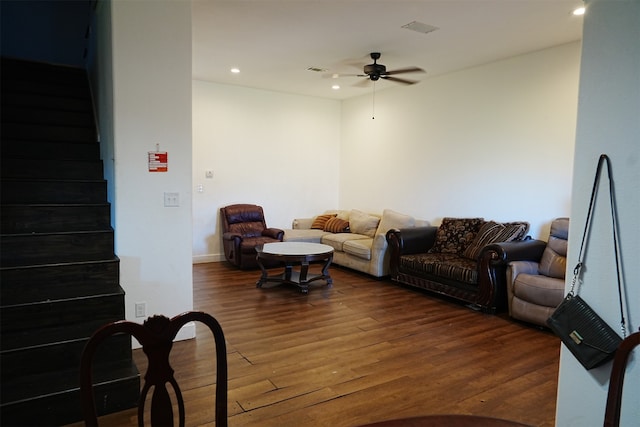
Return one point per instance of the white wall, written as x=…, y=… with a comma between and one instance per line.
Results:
x=276, y=150
x=494, y=141
x=608, y=122
x=151, y=48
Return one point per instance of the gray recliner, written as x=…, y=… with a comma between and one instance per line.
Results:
x=536, y=288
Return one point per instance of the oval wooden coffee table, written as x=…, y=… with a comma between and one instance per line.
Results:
x=292, y=254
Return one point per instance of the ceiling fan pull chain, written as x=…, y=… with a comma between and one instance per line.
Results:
x=373, y=108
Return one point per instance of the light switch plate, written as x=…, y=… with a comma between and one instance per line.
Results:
x=171, y=200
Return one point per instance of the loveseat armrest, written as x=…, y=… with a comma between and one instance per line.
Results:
x=408, y=241
x=412, y=240
x=523, y=250
x=274, y=233
x=492, y=269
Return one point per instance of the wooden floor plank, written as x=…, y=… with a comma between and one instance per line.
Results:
x=362, y=350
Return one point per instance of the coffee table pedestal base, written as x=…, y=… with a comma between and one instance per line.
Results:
x=301, y=278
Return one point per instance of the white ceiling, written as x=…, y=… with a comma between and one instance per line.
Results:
x=274, y=42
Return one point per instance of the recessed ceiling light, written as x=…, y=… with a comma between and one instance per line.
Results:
x=235, y=70
x=579, y=11
x=335, y=87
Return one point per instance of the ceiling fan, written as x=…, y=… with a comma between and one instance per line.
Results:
x=376, y=71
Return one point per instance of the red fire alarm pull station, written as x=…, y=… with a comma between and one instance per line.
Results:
x=158, y=161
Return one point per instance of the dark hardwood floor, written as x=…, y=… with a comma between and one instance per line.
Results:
x=361, y=351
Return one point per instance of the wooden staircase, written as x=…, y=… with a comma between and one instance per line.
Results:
x=59, y=276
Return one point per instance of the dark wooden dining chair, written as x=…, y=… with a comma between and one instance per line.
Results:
x=156, y=336
x=614, y=396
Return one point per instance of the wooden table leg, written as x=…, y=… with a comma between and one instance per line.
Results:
x=325, y=270
x=263, y=276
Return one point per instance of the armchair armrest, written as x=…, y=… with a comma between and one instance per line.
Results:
x=231, y=236
x=274, y=233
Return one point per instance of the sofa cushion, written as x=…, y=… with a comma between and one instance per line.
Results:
x=492, y=232
x=360, y=248
x=336, y=241
x=525, y=228
x=303, y=235
x=320, y=221
x=455, y=234
x=337, y=225
x=391, y=219
x=450, y=266
x=363, y=223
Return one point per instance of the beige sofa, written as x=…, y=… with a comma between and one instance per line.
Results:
x=362, y=246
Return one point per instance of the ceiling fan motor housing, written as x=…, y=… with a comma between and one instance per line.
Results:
x=374, y=71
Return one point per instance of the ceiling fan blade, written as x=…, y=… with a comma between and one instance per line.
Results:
x=405, y=70
x=339, y=75
x=397, y=80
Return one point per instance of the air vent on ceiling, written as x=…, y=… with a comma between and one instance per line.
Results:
x=317, y=69
x=420, y=27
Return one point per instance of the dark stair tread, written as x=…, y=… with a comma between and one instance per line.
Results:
x=26, y=131
x=114, y=290
x=47, y=218
x=56, y=264
x=32, y=387
x=31, y=100
x=36, y=115
x=48, y=191
x=21, y=86
x=28, y=324
x=23, y=284
x=23, y=340
x=50, y=150
x=9, y=180
x=48, y=248
x=22, y=168
x=24, y=69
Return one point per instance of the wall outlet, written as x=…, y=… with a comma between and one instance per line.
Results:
x=141, y=309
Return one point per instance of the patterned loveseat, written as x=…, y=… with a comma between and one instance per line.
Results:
x=458, y=259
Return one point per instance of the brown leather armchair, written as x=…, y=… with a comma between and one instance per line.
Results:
x=243, y=228
x=535, y=288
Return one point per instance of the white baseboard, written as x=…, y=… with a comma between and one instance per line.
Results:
x=201, y=259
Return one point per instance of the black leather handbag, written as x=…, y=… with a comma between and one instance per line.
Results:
x=589, y=338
